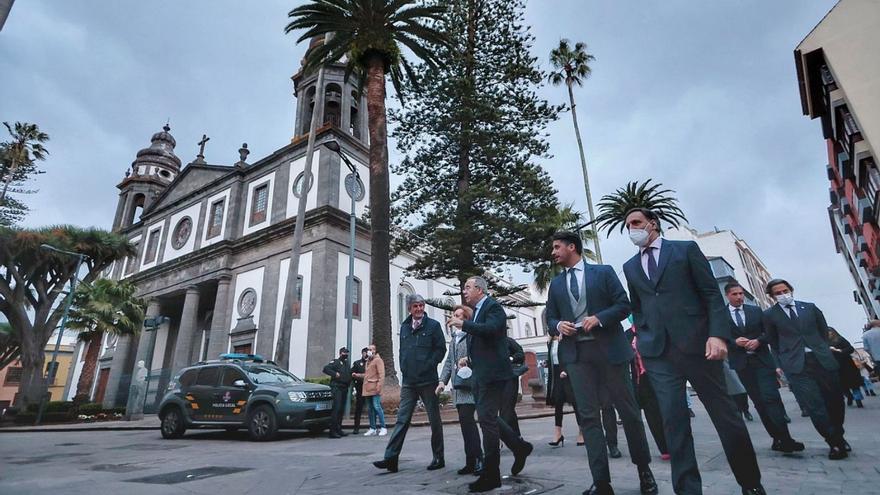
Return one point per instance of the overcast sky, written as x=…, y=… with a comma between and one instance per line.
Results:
x=701, y=96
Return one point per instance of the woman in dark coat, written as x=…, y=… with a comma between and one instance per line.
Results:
x=850, y=377
x=559, y=391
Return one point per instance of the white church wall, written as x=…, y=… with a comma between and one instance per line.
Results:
x=193, y=212
x=252, y=279
x=266, y=179
x=297, y=167
x=206, y=213
x=299, y=331
x=360, y=332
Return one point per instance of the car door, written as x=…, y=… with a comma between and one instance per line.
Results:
x=201, y=395
x=230, y=399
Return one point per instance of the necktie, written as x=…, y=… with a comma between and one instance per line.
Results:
x=416, y=324
x=739, y=319
x=652, y=263
x=791, y=312
x=573, y=284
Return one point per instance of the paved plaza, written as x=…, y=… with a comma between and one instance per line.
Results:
x=134, y=462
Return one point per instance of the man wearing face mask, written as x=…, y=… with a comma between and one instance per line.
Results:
x=797, y=333
x=684, y=329
x=340, y=377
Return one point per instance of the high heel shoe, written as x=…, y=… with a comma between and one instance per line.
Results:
x=580, y=444
x=560, y=442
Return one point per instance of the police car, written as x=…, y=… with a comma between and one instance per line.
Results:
x=243, y=390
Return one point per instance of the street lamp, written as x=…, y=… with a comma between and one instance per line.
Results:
x=355, y=189
x=52, y=369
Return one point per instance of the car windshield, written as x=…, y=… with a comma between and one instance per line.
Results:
x=270, y=374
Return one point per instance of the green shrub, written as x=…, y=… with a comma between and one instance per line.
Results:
x=53, y=407
x=90, y=409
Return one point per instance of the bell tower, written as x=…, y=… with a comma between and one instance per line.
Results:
x=151, y=172
x=344, y=107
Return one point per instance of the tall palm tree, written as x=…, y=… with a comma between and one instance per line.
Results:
x=103, y=307
x=571, y=66
x=566, y=219
x=370, y=34
x=26, y=146
x=613, y=207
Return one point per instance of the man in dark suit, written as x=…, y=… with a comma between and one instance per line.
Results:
x=422, y=348
x=585, y=304
x=489, y=358
x=340, y=378
x=751, y=360
x=683, y=333
x=798, y=334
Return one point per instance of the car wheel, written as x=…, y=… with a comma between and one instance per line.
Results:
x=262, y=424
x=172, y=424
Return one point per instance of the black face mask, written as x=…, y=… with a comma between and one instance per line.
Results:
x=344, y=357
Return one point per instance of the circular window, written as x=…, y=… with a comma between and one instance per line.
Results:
x=247, y=302
x=298, y=184
x=165, y=173
x=182, y=231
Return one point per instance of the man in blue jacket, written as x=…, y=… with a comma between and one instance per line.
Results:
x=684, y=330
x=585, y=305
x=422, y=348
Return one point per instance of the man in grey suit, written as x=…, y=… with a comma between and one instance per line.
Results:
x=585, y=304
x=798, y=334
x=684, y=329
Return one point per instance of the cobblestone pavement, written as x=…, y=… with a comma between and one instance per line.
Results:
x=212, y=462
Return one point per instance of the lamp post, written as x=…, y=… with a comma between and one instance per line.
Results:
x=52, y=369
x=355, y=189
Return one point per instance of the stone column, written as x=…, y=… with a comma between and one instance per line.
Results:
x=219, y=328
x=186, y=332
x=134, y=409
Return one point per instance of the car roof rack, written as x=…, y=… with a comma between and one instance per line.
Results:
x=235, y=356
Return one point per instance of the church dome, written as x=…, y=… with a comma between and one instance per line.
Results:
x=159, y=154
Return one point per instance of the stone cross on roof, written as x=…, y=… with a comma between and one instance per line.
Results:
x=200, y=158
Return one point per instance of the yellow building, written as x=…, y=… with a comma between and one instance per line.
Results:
x=10, y=376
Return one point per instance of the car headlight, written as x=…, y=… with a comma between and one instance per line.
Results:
x=296, y=396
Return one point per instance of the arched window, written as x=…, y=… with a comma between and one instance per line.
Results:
x=308, y=109
x=356, y=298
x=354, y=118
x=403, y=291
x=136, y=209
x=333, y=105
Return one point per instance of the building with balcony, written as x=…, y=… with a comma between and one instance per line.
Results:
x=729, y=254
x=838, y=71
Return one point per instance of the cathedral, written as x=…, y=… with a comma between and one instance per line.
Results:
x=213, y=250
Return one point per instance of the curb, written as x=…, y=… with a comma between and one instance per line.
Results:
x=153, y=428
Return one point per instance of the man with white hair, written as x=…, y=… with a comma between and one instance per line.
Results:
x=422, y=348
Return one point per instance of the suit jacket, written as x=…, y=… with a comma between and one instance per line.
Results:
x=788, y=338
x=683, y=303
x=487, y=344
x=753, y=329
x=606, y=300
x=421, y=351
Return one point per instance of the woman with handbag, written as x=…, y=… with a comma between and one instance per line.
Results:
x=374, y=377
x=462, y=394
x=559, y=391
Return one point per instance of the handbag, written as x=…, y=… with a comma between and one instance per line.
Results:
x=459, y=382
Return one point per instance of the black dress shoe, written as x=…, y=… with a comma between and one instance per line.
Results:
x=485, y=484
x=614, y=452
x=519, y=459
x=600, y=488
x=466, y=470
x=788, y=446
x=758, y=490
x=846, y=446
x=647, y=484
x=334, y=435
x=356, y=431
x=342, y=433
x=436, y=464
x=389, y=464
x=837, y=453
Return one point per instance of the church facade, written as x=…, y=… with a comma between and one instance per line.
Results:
x=213, y=252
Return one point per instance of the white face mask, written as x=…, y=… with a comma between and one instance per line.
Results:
x=639, y=237
x=369, y=354
x=785, y=299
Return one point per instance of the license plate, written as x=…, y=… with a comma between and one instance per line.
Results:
x=323, y=406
